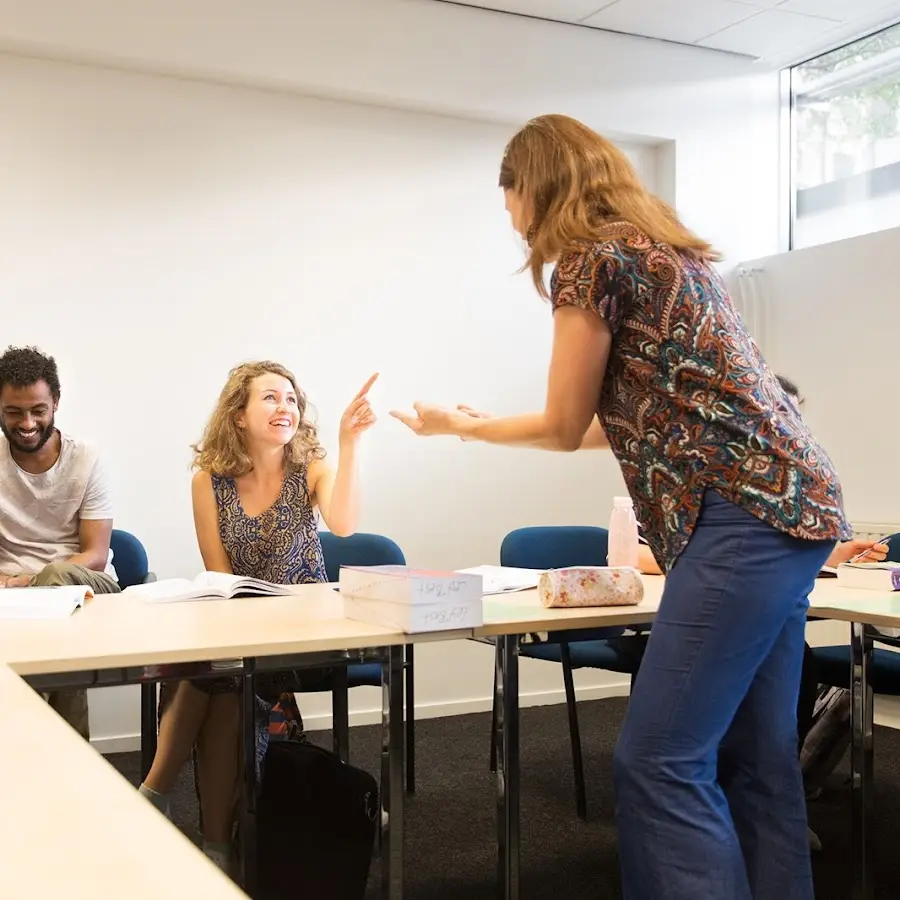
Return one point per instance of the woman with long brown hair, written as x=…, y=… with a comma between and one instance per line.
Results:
x=261, y=479
x=739, y=504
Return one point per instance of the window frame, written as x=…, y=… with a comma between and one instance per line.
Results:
x=788, y=156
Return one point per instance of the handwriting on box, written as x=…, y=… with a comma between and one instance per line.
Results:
x=441, y=589
x=447, y=616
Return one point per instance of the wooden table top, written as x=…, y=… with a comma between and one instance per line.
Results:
x=71, y=827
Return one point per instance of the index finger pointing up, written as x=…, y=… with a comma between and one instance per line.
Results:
x=365, y=388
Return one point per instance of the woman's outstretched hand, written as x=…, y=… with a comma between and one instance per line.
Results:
x=428, y=420
x=359, y=415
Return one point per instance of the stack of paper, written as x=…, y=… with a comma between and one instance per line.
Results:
x=42, y=602
x=503, y=579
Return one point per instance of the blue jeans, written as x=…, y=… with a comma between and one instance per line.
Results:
x=709, y=795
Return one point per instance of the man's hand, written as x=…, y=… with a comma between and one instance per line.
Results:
x=15, y=580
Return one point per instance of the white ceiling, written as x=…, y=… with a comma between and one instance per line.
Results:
x=776, y=31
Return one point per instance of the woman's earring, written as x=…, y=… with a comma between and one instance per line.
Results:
x=529, y=234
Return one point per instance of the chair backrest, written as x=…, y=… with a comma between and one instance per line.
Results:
x=360, y=549
x=893, y=553
x=555, y=547
x=129, y=558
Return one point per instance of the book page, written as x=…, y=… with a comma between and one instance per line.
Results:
x=42, y=602
x=221, y=582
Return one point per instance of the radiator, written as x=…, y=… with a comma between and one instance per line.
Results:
x=872, y=531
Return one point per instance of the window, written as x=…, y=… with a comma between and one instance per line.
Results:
x=845, y=141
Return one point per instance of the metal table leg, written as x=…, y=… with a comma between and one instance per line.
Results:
x=507, y=663
x=248, y=792
x=392, y=775
x=861, y=760
x=148, y=726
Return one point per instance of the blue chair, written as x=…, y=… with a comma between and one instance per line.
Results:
x=556, y=547
x=129, y=559
x=132, y=567
x=834, y=662
x=367, y=550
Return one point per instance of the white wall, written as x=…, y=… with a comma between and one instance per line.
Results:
x=159, y=230
x=865, y=216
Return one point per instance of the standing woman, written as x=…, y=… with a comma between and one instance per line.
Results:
x=740, y=505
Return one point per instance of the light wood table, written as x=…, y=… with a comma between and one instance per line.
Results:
x=116, y=639
x=509, y=616
x=506, y=618
x=71, y=828
x=115, y=631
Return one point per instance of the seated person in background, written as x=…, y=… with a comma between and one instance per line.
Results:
x=55, y=505
x=261, y=476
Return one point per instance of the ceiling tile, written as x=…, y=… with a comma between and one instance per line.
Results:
x=668, y=19
x=557, y=10
x=841, y=10
x=770, y=33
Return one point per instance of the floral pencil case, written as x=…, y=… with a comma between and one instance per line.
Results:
x=591, y=586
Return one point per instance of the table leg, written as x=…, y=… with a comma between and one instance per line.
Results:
x=861, y=760
x=392, y=775
x=148, y=726
x=248, y=792
x=507, y=663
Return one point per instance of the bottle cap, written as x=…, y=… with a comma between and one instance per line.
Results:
x=622, y=501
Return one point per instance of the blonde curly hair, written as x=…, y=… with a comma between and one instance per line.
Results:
x=223, y=448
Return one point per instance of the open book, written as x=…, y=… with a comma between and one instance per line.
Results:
x=503, y=579
x=207, y=586
x=42, y=602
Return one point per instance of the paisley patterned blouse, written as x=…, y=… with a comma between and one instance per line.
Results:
x=280, y=545
x=688, y=403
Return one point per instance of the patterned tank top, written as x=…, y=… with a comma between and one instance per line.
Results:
x=280, y=545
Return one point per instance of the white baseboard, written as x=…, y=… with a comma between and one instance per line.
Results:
x=129, y=743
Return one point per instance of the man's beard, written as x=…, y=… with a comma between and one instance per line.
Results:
x=42, y=437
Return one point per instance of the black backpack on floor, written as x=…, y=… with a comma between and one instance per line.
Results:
x=316, y=819
x=828, y=738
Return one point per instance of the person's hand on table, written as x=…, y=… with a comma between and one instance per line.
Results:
x=867, y=551
x=15, y=580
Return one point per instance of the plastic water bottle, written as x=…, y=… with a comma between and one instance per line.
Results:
x=623, y=534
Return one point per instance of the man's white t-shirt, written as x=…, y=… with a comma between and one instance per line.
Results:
x=40, y=514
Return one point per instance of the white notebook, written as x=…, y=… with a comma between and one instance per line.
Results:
x=503, y=579
x=42, y=602
x=875, y=576
x=207, y=586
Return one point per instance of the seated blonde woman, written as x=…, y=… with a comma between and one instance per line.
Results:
x=261, y=478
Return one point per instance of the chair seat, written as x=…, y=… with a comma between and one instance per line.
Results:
x=615, y=654
x=360, y=674
x=834, y=668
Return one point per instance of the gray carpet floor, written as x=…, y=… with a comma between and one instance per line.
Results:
x=450, y=824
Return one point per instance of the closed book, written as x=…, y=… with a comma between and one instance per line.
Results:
x=870, y=576
x=412, y=600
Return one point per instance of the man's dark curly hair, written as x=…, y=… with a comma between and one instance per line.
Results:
x=24, y=366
